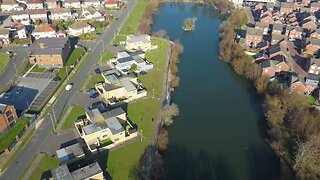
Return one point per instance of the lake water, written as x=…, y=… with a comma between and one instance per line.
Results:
x=220, y=131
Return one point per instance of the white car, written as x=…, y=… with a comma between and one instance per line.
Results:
x=69, y=86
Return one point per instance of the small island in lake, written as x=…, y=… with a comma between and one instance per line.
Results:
x=189, y=24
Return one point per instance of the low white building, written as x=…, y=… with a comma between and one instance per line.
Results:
x=21, y=16
x=90, y=3
x=140, y=42
x=44, y=31
x=111, y=4
x=60, y=14
x=21, y=31
x=10, y=5
x=4, y=36
x=51, y=4
x=34, y=4
x=91, y=13
x=38, y=14
x=72, y=4
x=80, y=27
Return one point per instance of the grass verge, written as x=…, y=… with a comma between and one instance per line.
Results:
x=74, y=114
x=5, y=58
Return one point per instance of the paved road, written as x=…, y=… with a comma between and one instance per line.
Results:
x=42, y=134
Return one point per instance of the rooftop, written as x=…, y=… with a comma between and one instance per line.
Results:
x=2, y=107
x=70, y=152
x=48, y=51
x=44, y=28
x=87, y=171
x=114, y=125
x=61, y=173
x=127, y=84
x=141, y=38
x=60, y=10
x=79, y=25
x=254, y=31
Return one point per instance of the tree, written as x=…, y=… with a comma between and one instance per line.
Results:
x=133, y=68
x=168, y=113
x=261, y=83
x=163, y=139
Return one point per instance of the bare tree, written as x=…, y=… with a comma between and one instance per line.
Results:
x=168, y=113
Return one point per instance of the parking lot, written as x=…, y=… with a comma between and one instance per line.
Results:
x=43, y=75
x=43, y=95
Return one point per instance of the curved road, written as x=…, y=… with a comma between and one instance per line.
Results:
x=39, y=139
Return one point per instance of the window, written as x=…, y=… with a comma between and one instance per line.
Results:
x=8, y=113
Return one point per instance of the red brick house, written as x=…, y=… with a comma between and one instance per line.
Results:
x=312, y=46
x=315, y=34
x=295, y=33
x=315, y=6
x=272, y=66
x=277, y=29
x=313, y=66
x=253, y=36
x=8, y=116
x=286, y=8
x=266, y=19
x=308, y=24
x=298, y=84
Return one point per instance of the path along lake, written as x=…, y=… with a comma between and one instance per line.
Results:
x=219, y=133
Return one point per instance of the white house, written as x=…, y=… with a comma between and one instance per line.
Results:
x=90, y=3
x=111, y=4
x=4, y=36
x=60, y=13
x=80, y=27
x=43, y=31
x=52, y=4
x=10, y=5
x=140, y=42
x=91, y=13
x=21, y=31
x=38, y=14
x=21, y=16
x=34, y=4
x=72, y=4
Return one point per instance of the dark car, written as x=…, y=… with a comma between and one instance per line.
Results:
x=7, y=95
x=95, y=95
x=18, y=90
x=98, y=71
x=57, y=79
x=89, y=91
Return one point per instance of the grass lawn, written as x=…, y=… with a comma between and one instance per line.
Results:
x=311, y=101
x=118, y=39
x=131, y=24
x=108, y=56
x=4, y=59
x=42, y=170
x=75, y=113
x=105, y=142
x=94, y=79
x=122, y=161
x=37, y=69
x=9, y=137
x=75, y=55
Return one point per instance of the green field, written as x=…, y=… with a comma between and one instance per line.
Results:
x=37, y=69
x=108, y=56
x=122, y=161
x=4, y=59
x=9, y=137
x=94, y=79
x=118, y=39
x=75, y=113
x=75, y=55
x=42, y=170
x=131, y=24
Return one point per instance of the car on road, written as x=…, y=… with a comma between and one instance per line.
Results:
x=90, y=91
x=57, y=79
x=98, y=71
x=7, y=95
x=95, y=95
x=69, y=86
x=18, y=90
x=26, y=45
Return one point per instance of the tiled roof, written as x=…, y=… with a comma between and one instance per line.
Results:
x=44, y=28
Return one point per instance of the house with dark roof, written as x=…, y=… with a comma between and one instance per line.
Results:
x=275, y=50
x=315, y=6
x=286, y=7
x=312, y=82
x=253, y=36
x=277, y=29
x=312, y=66
x=312, y=45
x=308, y=24
x=105, y=130
x=315, y=33
x=276, y=38
x=298, y=84
x=272, y=66
x=8, y=116
x=70, y=153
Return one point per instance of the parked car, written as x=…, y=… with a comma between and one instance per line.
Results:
x=26, y=45
x=57, y=79
x=18, y=90
x=69, y=86
x=7, y=95
x=90, y=91
x=98, y=71
x=95, y=95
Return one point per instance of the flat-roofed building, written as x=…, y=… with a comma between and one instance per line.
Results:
x=70, y=153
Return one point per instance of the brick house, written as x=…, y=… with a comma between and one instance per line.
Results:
x=308, y=24
x=8, y=116
x=312, y=66
x=298, y=84
x=51, y=4
x=263, y=26
x=253, y=36
x=277, y=29
x=272, y=66
x=315, y=34
x=312, y=46
x=4, y=36
x=286, y=8
x=52, y=52
x=295, y=33
x=276, y=50
x=277, y=38
x=315, y=6
x=266, y=19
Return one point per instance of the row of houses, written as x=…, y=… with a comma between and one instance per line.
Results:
x=286, y=37
x=20, y=5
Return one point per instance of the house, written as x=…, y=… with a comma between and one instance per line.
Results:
x=298, y=84
x=35, y=4
x=313, y=66
x=263, y=26
x=124, y=61
x=72, y=4
x=315, y=6
x=277, y=38
x=117, y=89
x=60, y=14
x=105, y=130
x=266, y=19
x=111, y=4
x=91, y=13
x=52, y=4
x=286, y=8
x=44, y=31
x=70, y=153
x=312, y=45
x=38, y=14
x=21, y=31
x=91, y=171
x=91, y=3
x=4, y=36
x=253, y=36
x=61, y=34
x=312, y=82
x=306, y=2
x=295, y=32
x=272, y=66
x=308, y=24
x=52, y=52
x=10, y=5
x=21, y=16
x=8, y=116
x=277, y=49
x=140, y=42
x=80, y=27
x=277, y=29
x=315, y=34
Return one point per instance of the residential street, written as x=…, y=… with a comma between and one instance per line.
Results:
x=41, y=136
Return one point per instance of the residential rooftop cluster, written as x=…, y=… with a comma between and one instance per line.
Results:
x=286, y=37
